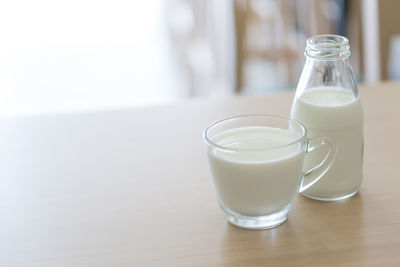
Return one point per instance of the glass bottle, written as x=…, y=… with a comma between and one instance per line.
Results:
x=327, y=103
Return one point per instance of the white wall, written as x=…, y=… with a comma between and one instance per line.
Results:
x=63, y=56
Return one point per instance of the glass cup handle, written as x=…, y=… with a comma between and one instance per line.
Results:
x=311, y=176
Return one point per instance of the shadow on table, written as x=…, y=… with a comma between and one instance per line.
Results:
x=315, y=233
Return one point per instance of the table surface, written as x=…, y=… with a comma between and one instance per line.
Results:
x=133, y=188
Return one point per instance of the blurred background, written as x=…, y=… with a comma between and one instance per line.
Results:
x=72, y=56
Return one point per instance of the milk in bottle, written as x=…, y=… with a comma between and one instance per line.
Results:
x=327, y=103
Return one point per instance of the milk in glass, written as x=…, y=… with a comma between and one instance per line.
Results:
x=255, y=183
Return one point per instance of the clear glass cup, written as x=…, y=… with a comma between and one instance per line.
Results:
x=256, y=163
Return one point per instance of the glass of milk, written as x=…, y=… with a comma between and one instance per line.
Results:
x=327, y=103
x=256, y=163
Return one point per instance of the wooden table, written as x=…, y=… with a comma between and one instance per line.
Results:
x=133, y=188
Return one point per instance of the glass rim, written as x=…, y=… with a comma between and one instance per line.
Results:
x=215, y=123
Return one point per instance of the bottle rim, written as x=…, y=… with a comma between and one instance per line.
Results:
x=328, y=47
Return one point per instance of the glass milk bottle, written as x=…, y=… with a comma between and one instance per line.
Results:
x=327, y=103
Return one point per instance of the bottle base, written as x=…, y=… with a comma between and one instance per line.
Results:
x=330, y=199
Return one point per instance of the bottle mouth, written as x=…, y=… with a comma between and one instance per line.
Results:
x=328, y=47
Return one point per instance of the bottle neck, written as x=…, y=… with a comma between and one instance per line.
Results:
x=338, y=62
x=327, y=65
x=334, y=73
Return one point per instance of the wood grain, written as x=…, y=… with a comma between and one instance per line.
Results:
x=132, y=188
